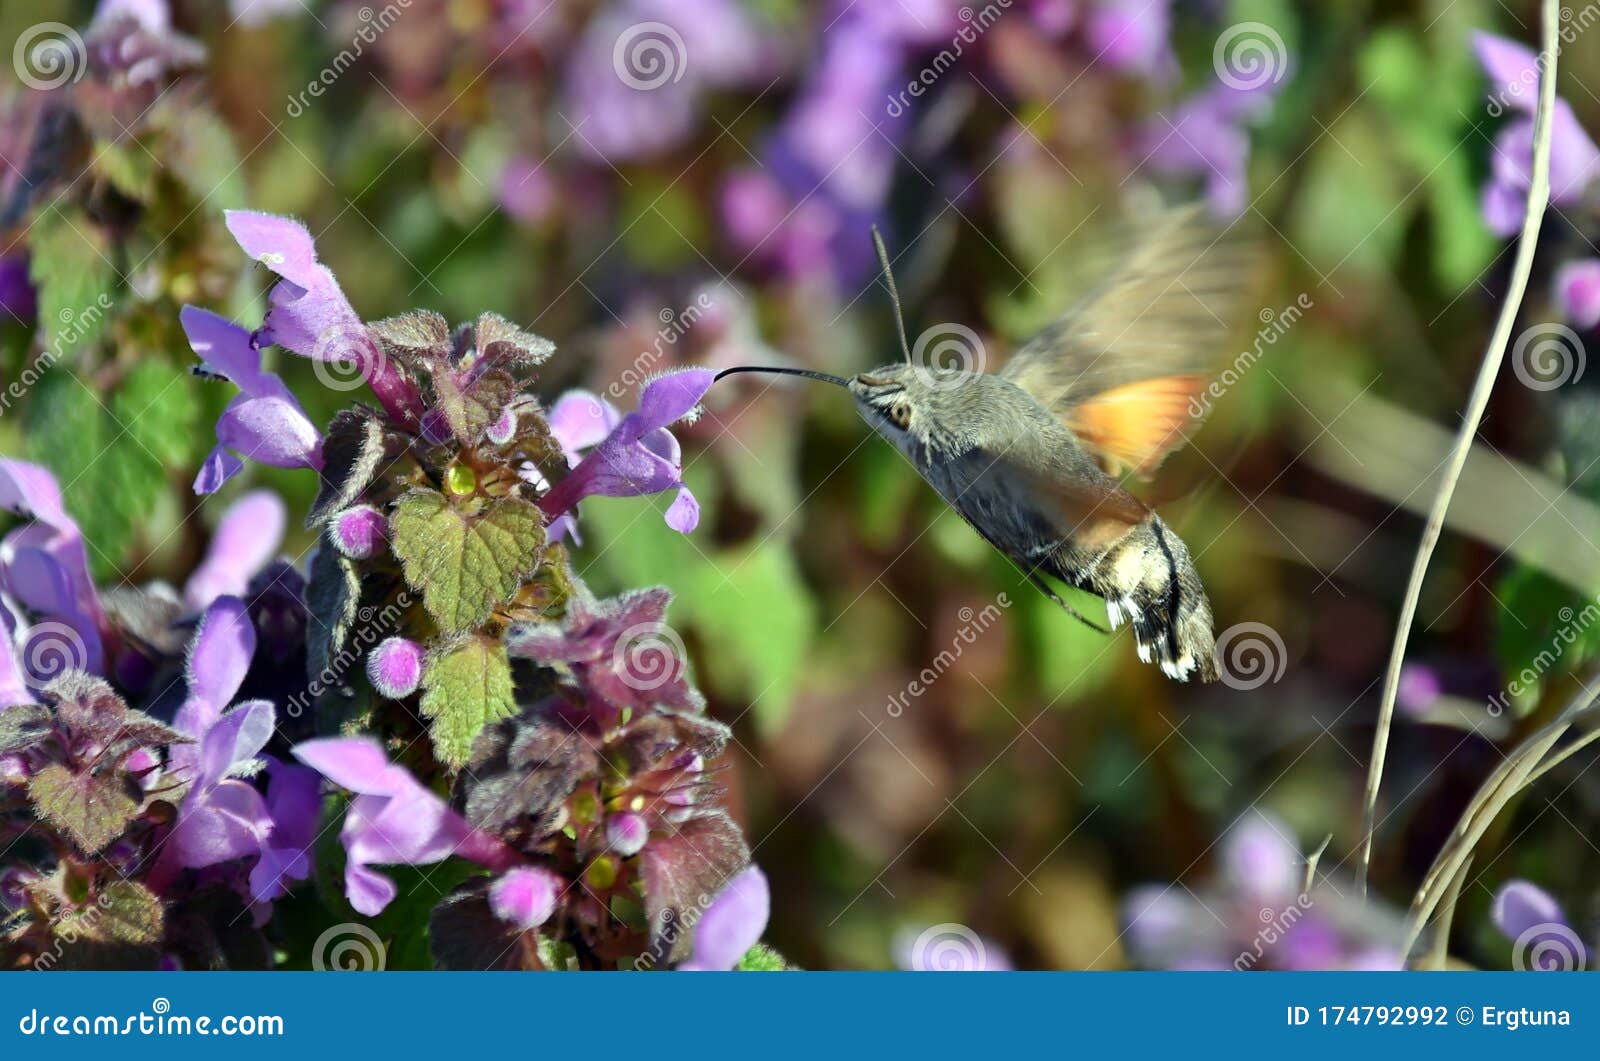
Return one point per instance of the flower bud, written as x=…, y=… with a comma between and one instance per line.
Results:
x=358, y=531
x=504, y=429
x=626, y=833
x=525, y=896
x=395, y=667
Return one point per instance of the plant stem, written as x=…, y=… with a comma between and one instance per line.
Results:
x=1538, y=200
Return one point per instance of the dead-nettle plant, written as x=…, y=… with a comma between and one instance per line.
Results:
x=974, y=24
x=75, y=326
x=438, y=662
x=1275, y=325
x=373, y=25
x=973, y=625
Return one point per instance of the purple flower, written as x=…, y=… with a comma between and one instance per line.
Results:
x=1542, y=938
x=264, y=422
x=525, y=896
x=44, y=566
x=1513, y=72
x=627, y=833
x=948, y=948
x=358, y=531
x=1419, y=687
x=732, y=924
x=245, y=541
x=1130, y=35
x=221, y=817
x=133, y=42
x=294, y=804
x=308, y=313
x=641, y=69
x=1254, y=915
x=18, y=299
x=636, y=456
x=393, y=820
x=1578, y=292
x=395, y=667
x=620, y=650
x=1207, y=137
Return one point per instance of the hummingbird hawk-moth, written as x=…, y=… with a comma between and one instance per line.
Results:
x=1033, y=456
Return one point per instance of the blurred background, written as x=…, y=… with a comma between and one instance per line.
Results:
x=929, y=751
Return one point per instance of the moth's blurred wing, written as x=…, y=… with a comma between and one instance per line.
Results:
x=1122, y=366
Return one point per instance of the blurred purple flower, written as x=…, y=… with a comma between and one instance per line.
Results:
x=732, y=924
x=525, y=896
x=1578, y=292
x=948, y=948
x=1207, y=137
x=1254, y=916
x=18, y=299
x=1513, y=72
x=527, y=190
x=1419, y=687
x=245, y=541
x=620, y=649
x=44, y=566
x=1542, y=938
x=308, y=313
x=133, y=42
x=638, y=74
x=393, y=820
x=1130, y=35
x=638, y=455
x=264, y=422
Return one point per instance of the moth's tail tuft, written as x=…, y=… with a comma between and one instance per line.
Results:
x=1149, y=582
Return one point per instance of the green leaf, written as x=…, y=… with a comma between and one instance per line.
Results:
x=23, y=726
x=71, y=267
x=91, y=809
x=464, y=564
x=465, y=687
x=128, y=166
x=124, y=912
x=762, y=959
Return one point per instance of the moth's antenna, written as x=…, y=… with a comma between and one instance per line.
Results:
x=894, y=295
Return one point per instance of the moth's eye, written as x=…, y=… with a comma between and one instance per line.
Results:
x=900, y=415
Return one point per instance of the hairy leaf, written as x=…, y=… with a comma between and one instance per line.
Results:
x=92, y=809
x=22, y=727
x=71, y=267
x=465, y=687
x=465, y=565
x=683, y=873
x=352, y=452
x=331, y=597
x=123, y=912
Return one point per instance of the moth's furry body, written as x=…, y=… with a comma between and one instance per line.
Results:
x=1031, y=456
x=968, y=434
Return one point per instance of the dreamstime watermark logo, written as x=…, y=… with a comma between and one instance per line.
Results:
x=349, y=948
x=1250, y=55
x=346, y=358
x=673, y=925
x=76, y=325
x=52, y=649
x=947, y=356
x=1548, y=356
x=1521, y=92
x=1275, y=925
x=1573, y=624
x=1275, y=324
x=973, y=625
x=974, y=24
x=70, y=929
x=648, y=656
x=49, y=55
x=950, y=947
x=648, y=55
x=373, y=26
x=371, y=626
x=1250, y=655
x=675, y=324
x=1549, y=948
